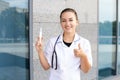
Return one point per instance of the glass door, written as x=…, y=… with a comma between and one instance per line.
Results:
x=14, y=40
x=119, y=37
x=107, y=39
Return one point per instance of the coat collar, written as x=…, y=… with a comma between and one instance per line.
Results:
x=76, y=38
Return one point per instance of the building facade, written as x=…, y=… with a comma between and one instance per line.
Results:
x=99, y=23
x=14, y=40
x=109, y=41
x=4, y=5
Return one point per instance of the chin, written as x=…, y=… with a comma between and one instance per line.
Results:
x=69, y=32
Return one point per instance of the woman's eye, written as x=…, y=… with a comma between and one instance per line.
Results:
x=63, y=20
x=66, y=20
x=71, y=20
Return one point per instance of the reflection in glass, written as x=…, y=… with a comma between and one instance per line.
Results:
x=107, y=38
x=14, y=24
x=119, y=37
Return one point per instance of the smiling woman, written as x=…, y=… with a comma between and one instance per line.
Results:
x=14, y=40
x=67, y=54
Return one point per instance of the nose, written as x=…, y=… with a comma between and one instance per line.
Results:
x=67, y=23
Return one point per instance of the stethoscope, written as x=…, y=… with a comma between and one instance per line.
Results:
x=54, y=54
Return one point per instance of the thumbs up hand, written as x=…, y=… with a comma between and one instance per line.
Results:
x=79, y=52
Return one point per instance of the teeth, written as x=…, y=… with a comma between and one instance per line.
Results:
x=68, y=27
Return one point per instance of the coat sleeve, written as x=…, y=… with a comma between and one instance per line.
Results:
x=88, y=51
x=48, y=51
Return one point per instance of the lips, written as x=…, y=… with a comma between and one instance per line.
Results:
x=68, y=27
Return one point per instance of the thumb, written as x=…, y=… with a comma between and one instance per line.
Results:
x=79, y=47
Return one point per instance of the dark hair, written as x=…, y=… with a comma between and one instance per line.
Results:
x=69, y=10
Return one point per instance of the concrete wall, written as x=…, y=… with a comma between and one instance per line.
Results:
x=46, y=14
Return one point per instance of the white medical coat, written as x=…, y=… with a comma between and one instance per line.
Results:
x=67, y=63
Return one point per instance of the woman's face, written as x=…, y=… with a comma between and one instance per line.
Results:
x=69, y=22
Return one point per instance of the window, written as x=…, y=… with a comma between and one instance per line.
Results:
x=14, y=40
x=108, y=39
x=119, y=37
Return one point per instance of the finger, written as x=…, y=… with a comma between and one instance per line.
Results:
x=75, y=52
x=79, y=47
x=37, y=44
x=37, y=41
x=40, y=39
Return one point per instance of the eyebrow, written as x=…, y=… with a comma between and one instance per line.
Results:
x=68, y=18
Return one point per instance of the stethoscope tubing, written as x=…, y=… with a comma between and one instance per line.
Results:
x=54, y=53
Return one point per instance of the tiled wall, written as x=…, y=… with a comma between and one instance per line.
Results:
x=46, y=15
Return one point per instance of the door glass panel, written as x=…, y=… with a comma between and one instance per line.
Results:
x=107, y=38
x=14, y=27
x=119, y=38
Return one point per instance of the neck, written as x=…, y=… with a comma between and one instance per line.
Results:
x=68, y=37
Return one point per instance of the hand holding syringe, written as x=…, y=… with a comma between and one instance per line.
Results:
x=40, y=34
x=38, y=45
